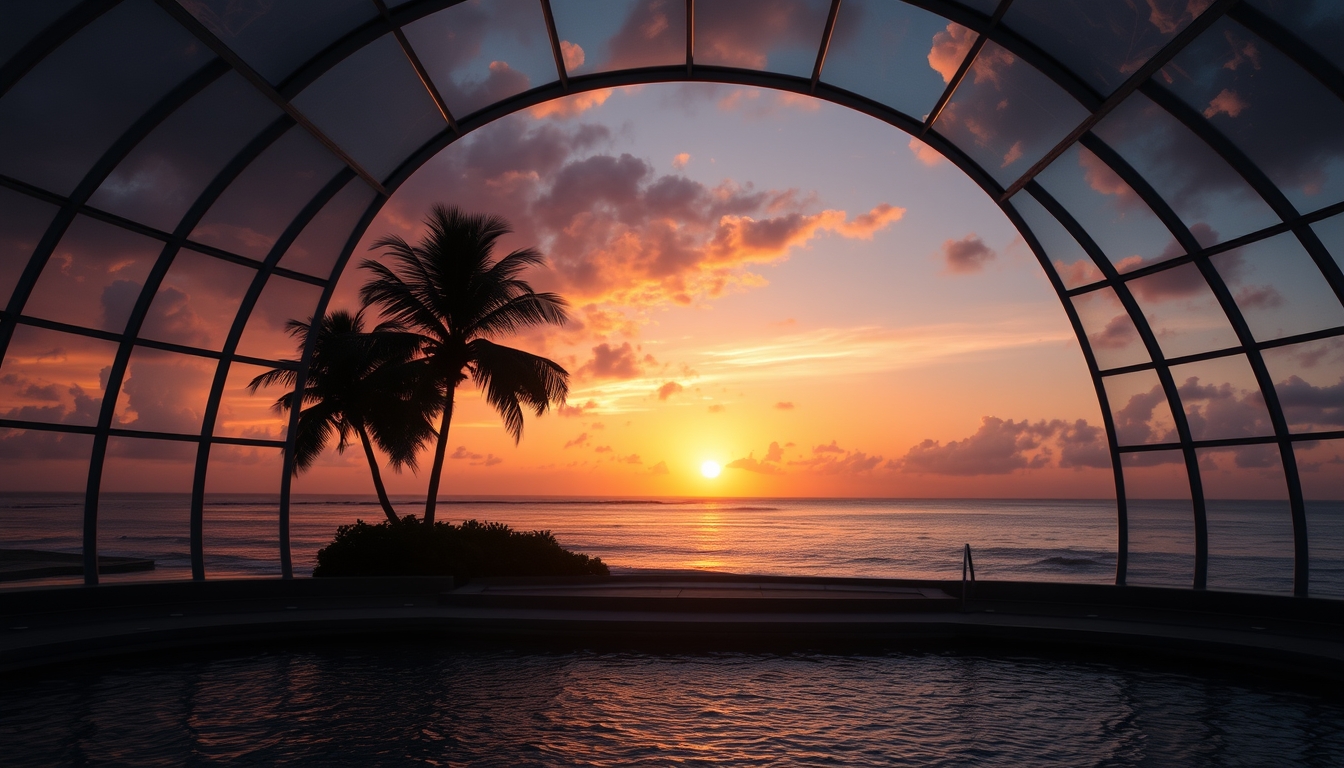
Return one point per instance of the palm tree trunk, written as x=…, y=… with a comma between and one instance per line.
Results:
x=439, y=451
x=377, y=476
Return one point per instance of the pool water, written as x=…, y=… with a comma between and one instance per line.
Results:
x=393, y=702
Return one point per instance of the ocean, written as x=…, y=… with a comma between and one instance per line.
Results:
x=1250, y=542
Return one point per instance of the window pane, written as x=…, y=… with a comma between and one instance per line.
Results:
x=282, y=300
x=197, y=301
x=144, y=506
x=1309, y=378
x=1140, y=408
x=275, y=38
x=603, y=35
x=243, y=414
x=1331, y=233
x=883, y=50
x=23, y=221
x=1320, y=465
x=317, y=248
x=1279, y=288
x=43, y=503
x=53, y=377
x=94, y=276
x=1120, y=223
x=1280, y=116
x=60, y=118
x=257, y=207
x=164, y=392
x=374, y=106
x=1101, y=41
x=1211, y=198
x=1181, y=309
x=1320, y=23
x=1005, y=114
x=241, y=516
x=1250, y=521
x=481, y=52
x=1110, y=331
x=1222, y=399
x=773, y=35
x=1161, y=519
x=23, y=22
x=1071, y=262
x=165, y=173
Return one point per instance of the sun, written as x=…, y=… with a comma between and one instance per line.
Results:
x=710, y=469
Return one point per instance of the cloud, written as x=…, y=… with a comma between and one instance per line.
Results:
x=774, y=453
x=999, y=447
x=463, y=453
x=1227, y=102
x=1118, y=334
x=950, y=47
x=669, y=389
x=1306, y=404
x=681, y=160
x=658, y=469
x=490, y=461
x=925, y=154
x=750, y=464
x=967, y=255
x=823, y=449
x=1101, y=178
x=570, y=411
x=602, y=449
x=784, y=405
x=571, y=54
x=717, y=408
x=570, y=106
x=582, y=439
x=611, y=362
x=631, y=459
x=1082, y=445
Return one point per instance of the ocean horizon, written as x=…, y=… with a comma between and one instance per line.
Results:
x=1250, y=542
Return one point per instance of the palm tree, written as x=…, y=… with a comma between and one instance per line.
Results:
x=448, y=291
x=362, y=384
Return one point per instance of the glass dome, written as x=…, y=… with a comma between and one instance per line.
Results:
x=1177, y=168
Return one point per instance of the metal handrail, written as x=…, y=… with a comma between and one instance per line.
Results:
x=967, y=565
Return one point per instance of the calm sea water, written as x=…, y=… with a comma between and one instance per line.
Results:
x=1250, y=543
x=421, y=704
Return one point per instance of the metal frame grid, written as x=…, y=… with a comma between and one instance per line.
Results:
x=987, y=28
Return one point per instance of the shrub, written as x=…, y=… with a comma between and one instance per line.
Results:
x=409, y=547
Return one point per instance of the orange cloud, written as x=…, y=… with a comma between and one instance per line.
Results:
x=1227, y=102
x=669, y=389
x=569, y=106
x=950, y=47
x=681, y=160
x=926, y=154
x=572, y=54
x=1103, y=179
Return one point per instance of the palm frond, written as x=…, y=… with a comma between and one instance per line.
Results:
x=512, y=379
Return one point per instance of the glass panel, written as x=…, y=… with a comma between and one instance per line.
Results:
x=241, y=532
x=43, y=503
x=1319, y=23
x=1005, y=114
x=94, y=276
x=1071, y=262
x=23, y=21
x=53, y=377
x=1142, y=413
x=23, y=221
x=1181, y=309
x=986, y=7
x=603, y=35
x=1320, y=465
x=197, y=302
x=59, y=119
x=1161, y=519
x=1102, y=41
x=282, y=300
x=1279, y=115
x=243, y=414
x=481, y=52
x=774, y=35
x=1279, y=289
x=882, y=50
x=319, y=245
x=374, y=106
x=1222, y=399
x=1310, y=381
x=276, y=38
x=1120, y=223
x=160, y=179
x=1250, y=521
x=164, y=392
x=1211, y=198
x=144, y=506
x=1331, y=233
x=257, y=207
x=1110, y=331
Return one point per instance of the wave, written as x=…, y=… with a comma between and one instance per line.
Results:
x=1069, y=561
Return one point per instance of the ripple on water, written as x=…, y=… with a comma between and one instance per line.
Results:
x=422, y=705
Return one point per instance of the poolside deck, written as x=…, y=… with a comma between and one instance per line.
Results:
x=675, y=612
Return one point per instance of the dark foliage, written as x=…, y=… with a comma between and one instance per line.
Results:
x=409, y=547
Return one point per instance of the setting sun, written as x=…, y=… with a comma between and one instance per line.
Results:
x=710, y=469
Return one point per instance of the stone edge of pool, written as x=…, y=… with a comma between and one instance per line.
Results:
x=680, y=611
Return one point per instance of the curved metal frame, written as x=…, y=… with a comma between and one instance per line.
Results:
x=385, y=21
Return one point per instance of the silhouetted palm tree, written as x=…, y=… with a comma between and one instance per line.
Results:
x=365, y=384
x=447, y=290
